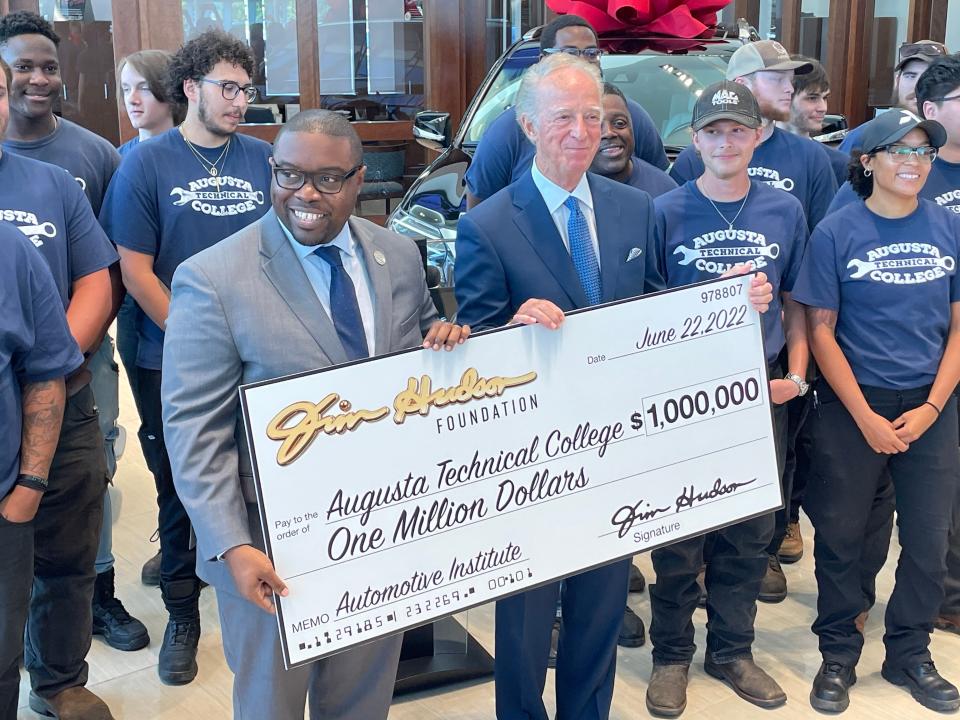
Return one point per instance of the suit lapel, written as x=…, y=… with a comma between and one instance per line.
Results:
x=537, y=226
x=380, y=284
x=607, y=216
x=282, y=267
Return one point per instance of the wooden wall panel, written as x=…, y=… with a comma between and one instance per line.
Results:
x=927, y=20
x=32, y=5
x=308, y=54
x=791, y=25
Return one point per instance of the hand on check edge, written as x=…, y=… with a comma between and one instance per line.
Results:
x=445, y=335
x=761, y=291
x=543, y=312
x=254, y=576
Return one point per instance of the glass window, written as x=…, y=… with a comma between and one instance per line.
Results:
x=270, y=28
x=371, y=57
x=814, y=24
x=889, y=31
x=952, y=39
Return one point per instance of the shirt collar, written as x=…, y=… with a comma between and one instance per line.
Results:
x=554, y=196
x=344, y=240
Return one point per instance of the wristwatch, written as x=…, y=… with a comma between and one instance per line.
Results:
x=802, y=384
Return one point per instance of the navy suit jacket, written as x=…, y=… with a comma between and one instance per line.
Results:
x=509, y=250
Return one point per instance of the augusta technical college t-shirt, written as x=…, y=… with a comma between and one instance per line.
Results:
x=694, y=243
x=505, y=154
x=164, y=203
x=785, y=161
x=650, y=179
x=49, y=208
x=89, y=158
x=942, y=187
x=891, y=282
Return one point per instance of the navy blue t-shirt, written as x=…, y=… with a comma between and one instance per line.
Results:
x=89, y=158
x=35, y=342
x=128, y=146
x=853, y=138
x=891, y=282
x=693, y=243
x=839, y=161
x=785, y=161
x=942, y=187
x=505, y=154
x=48, y=206
x=650, y=179
x=164, y=203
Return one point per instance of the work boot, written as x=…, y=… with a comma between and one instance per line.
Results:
x=554, y=643
x=831, y=686
x=119, y=629
x=948, y=623
x=773, y=589
x=150, y=574
x=748, y=681
x=637, y=582
x=861, y=621
x=791, y=548
x=702, y=587
x=925, y=685
x=632, y=631
x=74, y=703
x=178, y=654
x=667, y=690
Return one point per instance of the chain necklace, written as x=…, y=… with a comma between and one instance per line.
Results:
x=724, y=217
x=210, y=167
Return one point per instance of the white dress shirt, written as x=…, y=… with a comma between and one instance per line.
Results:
x=318, y=273
x=554, y=198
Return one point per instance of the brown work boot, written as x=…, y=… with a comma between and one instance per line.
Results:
x=949, y=623
x=748, y=681
x=791, y=548
x=667, y=691
x=75, y=703
x=861, y=621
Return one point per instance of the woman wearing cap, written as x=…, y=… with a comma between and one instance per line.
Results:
x=882, y=291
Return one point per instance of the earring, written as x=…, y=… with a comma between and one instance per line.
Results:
x=867, y=173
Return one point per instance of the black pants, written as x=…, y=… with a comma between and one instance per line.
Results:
x=178, y=575
x=736, y=559
x=54, y=557
x=840, y=500
x=128, y=342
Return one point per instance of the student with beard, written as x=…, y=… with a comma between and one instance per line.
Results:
x=783, y=160
x=882, y=291
x=741, y=220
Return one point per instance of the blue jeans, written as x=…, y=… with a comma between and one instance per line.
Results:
x=106, y=391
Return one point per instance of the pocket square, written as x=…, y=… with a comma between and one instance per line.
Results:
x=634, y=253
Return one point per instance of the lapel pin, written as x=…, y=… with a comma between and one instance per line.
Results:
x=379, y=257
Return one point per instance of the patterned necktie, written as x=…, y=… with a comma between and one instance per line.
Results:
x=581, y=250
x=343, y=304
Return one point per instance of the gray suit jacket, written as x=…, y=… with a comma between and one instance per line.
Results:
x=242, y=311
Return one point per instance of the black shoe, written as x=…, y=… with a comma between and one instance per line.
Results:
x=748, y=681
x=632, y=631
x=119, y=629
x=831, y=686
x=637, y=582
x=702, y=586
x=554, y=642
x=150, y=574
x=667, y=690
x=773, y=589
x=925, y=684
x=178, y=655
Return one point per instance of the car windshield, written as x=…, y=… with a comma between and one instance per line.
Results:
x=667, y=86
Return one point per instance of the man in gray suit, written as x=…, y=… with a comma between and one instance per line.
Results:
x=304, y=287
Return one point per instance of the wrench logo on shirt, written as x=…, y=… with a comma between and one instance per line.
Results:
x=771, y=177
x=30, y=225
x=903, y=263
x=719, y=250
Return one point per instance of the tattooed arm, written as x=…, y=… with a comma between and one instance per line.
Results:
x=877, y=430
x=43, y=404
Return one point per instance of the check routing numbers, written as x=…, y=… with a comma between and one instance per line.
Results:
x=402, y=489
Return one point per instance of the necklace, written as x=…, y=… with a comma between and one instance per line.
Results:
x=210, y=167
x=722, y=216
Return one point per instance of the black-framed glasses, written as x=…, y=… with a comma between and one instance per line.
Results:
x=587, y=53
x=328, y=183
x=230, y=89
x=900, y=153
x=945, y=99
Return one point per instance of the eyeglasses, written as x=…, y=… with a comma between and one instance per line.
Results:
x=900, y=153
x=589, y=53
x=944, y=99
x=229, y=89
x=293, y=179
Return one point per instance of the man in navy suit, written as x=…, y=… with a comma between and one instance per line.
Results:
x=556, y=240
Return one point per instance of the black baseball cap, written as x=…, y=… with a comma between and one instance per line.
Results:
x=726, y=100
x=892, y=125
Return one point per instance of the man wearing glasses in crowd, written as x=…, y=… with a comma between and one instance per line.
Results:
x=179, y=194
x=504, y=153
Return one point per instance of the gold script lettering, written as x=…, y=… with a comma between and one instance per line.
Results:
x=298, y=425
x=419, y=396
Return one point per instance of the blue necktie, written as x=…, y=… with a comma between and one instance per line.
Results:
x=343, y=304
x=581, y=250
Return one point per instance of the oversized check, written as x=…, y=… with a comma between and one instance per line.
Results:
x=398, y=490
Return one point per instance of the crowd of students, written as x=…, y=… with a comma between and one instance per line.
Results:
x=858, y=289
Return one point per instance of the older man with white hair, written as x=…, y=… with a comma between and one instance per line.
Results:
x=559, y=239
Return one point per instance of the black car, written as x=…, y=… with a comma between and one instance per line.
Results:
x=665, y=75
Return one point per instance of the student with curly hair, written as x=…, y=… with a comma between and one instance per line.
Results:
x=174, y=196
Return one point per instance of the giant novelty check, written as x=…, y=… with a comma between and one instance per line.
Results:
x=402, y=489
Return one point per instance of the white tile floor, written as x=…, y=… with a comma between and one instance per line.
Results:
x=785, y=646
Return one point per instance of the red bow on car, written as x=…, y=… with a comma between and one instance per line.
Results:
x=677, y=18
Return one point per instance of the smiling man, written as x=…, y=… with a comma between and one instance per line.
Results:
x=178, y=194
x=327, y=288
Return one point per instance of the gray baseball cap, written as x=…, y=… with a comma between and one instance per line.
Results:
x=763, y=55
x=726, y=100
